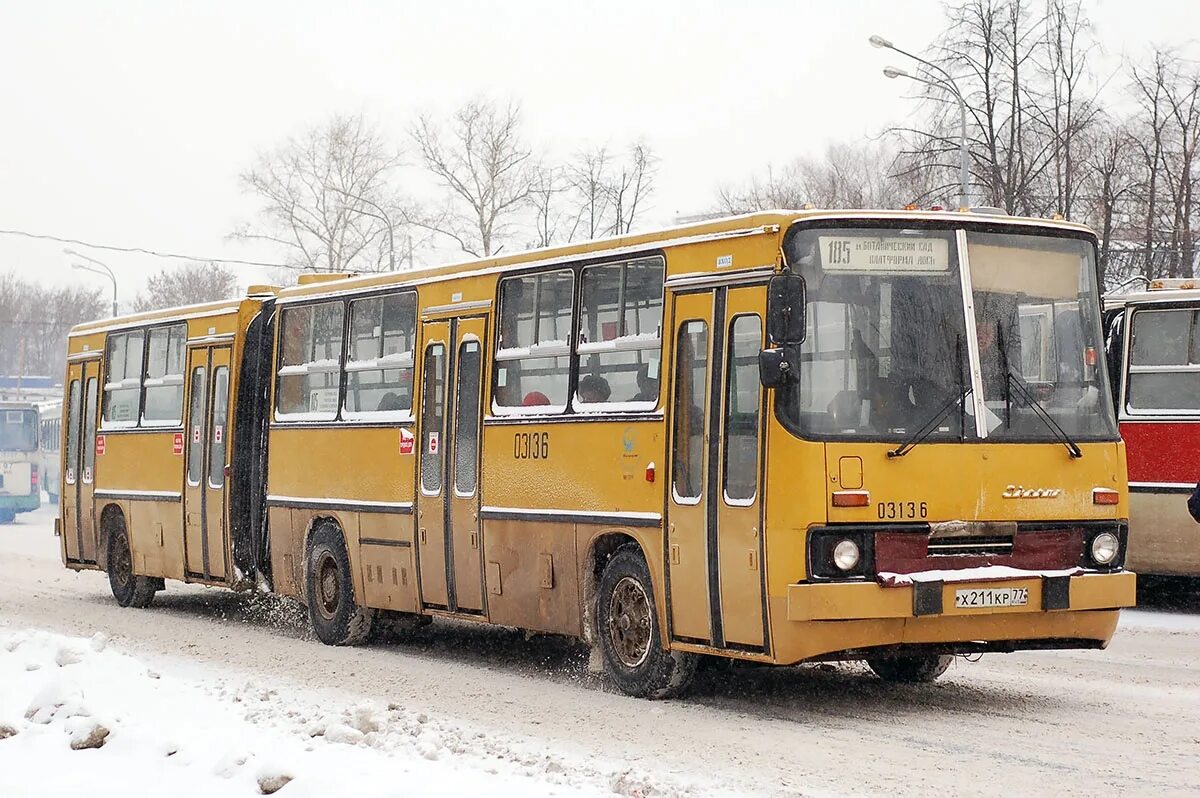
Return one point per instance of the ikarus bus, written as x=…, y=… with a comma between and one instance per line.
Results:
x=780, y=437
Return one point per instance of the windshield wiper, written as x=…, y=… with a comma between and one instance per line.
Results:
x=1011, y=381
x=928, y=427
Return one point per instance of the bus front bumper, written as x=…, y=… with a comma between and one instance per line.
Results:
x=851, y=601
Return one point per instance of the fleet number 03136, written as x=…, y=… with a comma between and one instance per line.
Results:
x=893, y=511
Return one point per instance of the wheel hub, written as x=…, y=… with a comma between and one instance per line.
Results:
x=629, y=623
x=329, y=586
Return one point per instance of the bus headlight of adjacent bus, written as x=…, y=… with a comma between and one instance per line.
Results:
x=1104, y=548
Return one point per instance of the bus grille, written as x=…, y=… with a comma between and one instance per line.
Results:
x=980, y=546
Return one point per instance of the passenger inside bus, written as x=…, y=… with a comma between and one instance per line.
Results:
x=593, y=388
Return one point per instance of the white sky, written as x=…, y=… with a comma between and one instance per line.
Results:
x=128, y=122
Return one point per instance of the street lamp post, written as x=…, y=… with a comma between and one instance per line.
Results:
x=382, y=216
x=107, y=272
x=947, y=83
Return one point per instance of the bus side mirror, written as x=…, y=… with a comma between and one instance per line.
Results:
x=785, y=309
x=778, y=367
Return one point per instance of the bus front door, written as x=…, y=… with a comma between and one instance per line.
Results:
x=714, y=512
x=79, y=462
x=449, y=534
x=207, y=435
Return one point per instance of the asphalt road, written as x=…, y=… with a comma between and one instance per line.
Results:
x=1124, y=720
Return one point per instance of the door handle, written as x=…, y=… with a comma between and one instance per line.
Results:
x=422, y=536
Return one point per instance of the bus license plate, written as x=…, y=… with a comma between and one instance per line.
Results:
x=991, y=597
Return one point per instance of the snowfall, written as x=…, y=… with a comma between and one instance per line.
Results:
x=79, y=716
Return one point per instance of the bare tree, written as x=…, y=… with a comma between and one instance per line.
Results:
x=190, y=284
x=35, y=320
x=608, y=192
x=482, y=161
x=845, y=176
x=546, y=192
x=631, y=183
x=588, y=175
x=1067, y=47
x=328, y=198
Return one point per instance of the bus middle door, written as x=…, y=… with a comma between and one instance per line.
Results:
x=79, y=463
x=207, y=435
x=449, y=542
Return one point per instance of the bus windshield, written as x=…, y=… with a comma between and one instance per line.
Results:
x=889, y=349
x=18, y=430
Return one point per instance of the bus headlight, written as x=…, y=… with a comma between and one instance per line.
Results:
x=846, y=555
x=1104, y=548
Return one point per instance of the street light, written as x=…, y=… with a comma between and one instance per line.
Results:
x=947, y=83
x=107, y=272
x=382, y=216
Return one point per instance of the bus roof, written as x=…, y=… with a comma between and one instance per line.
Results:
x=770, y=221
x=759, y=222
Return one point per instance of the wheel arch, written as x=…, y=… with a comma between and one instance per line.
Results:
x=600, y=549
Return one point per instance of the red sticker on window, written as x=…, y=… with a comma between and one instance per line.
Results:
x=433, y=443
x=195, y=434
x=217, y=434
x=99, y=444
x=407, y=441
x=177, y=444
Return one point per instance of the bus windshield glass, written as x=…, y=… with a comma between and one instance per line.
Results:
x=1037, y=321
x=889, y=350
x=18, y=430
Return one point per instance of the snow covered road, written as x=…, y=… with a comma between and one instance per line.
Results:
x=481, y=709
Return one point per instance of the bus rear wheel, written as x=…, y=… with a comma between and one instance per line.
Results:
x=628, y=632
x=911, y=669
x=129, y=589
x=7, y=516
x=337, y=619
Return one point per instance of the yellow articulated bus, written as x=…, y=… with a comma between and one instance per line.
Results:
x=779, y=437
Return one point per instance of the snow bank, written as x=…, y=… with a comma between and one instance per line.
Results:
x=77, y=716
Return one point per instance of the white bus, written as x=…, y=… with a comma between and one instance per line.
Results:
x=20, y=491
x=50, y=428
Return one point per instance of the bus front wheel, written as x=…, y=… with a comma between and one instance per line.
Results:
x=628, y=632
x=910, y=670
x=337, y=618
x=129, y=589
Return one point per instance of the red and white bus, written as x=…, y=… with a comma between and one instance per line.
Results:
x=1153, y=345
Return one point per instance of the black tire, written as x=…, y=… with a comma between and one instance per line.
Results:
x=7, y=516
x=628, y=634
x=910, y=670
x=336, y=617
x=129, y=589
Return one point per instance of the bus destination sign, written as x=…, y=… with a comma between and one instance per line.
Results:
x=891, y=254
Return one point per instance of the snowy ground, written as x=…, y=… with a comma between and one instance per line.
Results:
x=210, y=693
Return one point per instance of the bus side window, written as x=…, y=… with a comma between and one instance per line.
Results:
x=310, y=357
x=620, y=342
x=123, y=378
x=533, y=348
x=163, y=382
x=687, y=439
x=379, y=361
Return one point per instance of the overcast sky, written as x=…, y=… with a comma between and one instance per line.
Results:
x=128, y=122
